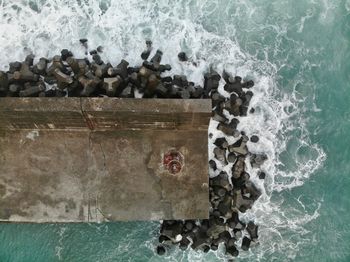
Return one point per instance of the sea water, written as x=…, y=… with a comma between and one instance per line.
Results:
x=298, y=54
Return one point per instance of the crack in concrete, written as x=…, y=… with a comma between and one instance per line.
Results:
x=88, y=121
x=104, y=158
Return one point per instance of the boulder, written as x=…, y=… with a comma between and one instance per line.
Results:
x=245, y=243
x=252, y=230
x=160, y=250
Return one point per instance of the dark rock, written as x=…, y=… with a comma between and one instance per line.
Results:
x=238, y=168
x=160, y=250
x=206, y=248
x=182, y=56
x=240, y=181
x=220, y=154
x=65, y=53
x=247, y=97
x=145, y=54
x=121, y=69
x=134, y=79
x=248, y=84
x=29, y=60
x=226, y=129
x=151, y=86
x=198, y=93
x=243, y=203
x=163, y=239
x=225, y=206
x=50, y=80
x=224, y=237
x=189, y=225
x=245, y=243
x=233, y=105
x=233, y=220
x=50, y=93
x=234, y=87
x=212, y=164
x=216, y=98
x=221, y=180
x=167, y=79
x=40, y=67
x=184, y=243
x=221, y=142
x=254, y=139
x=56, y=63
x=239, y=147
x=4, y=83
x=145, y=72
x=210, y=85
x=32, y=90
x=163, y=68
x=101, y=71
x=231, y=158
x=234, y=123
x=25, y=75
x=89, y=85
x=214, y=247
x=157, y=58
x=97, y=59
x=134, y=69
x=99, y=49
x=219, y=191
x=232, y=250
x=14, y=89
x=252, y=230
x=216, y=213
x=261, y=175
x=127, y=92
x=204, y=225
x=243, y=110
x=74, y=65
x=252, y=110
x=93, y=52
x=219, y=117
x=229, y=79
x=161, y=90
x=179, y=80
x=61, y=77
x=60, y=93
x=15, y=66
x=171, y=230
x=184, y=94
x=212, y=75
x=256, y=160
x=200, y=239
x=251, y=190
x=111, y=85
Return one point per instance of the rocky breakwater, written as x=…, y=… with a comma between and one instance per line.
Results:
x=231, y=193
x=64, y=75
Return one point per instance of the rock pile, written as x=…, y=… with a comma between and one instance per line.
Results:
x=230, y=193
x=65, y=75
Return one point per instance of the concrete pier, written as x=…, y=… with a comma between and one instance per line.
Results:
x=103, y=159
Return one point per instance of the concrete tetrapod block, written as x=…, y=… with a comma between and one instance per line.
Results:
x=80, y=159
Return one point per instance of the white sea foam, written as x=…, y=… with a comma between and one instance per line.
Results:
x=59, y=246
x=121, y=27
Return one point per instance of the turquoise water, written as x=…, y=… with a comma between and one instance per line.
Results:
x=298, y=53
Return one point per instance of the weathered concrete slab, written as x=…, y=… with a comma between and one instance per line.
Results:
x=102, y=172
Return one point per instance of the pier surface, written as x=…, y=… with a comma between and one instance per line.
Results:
x=103, y=159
